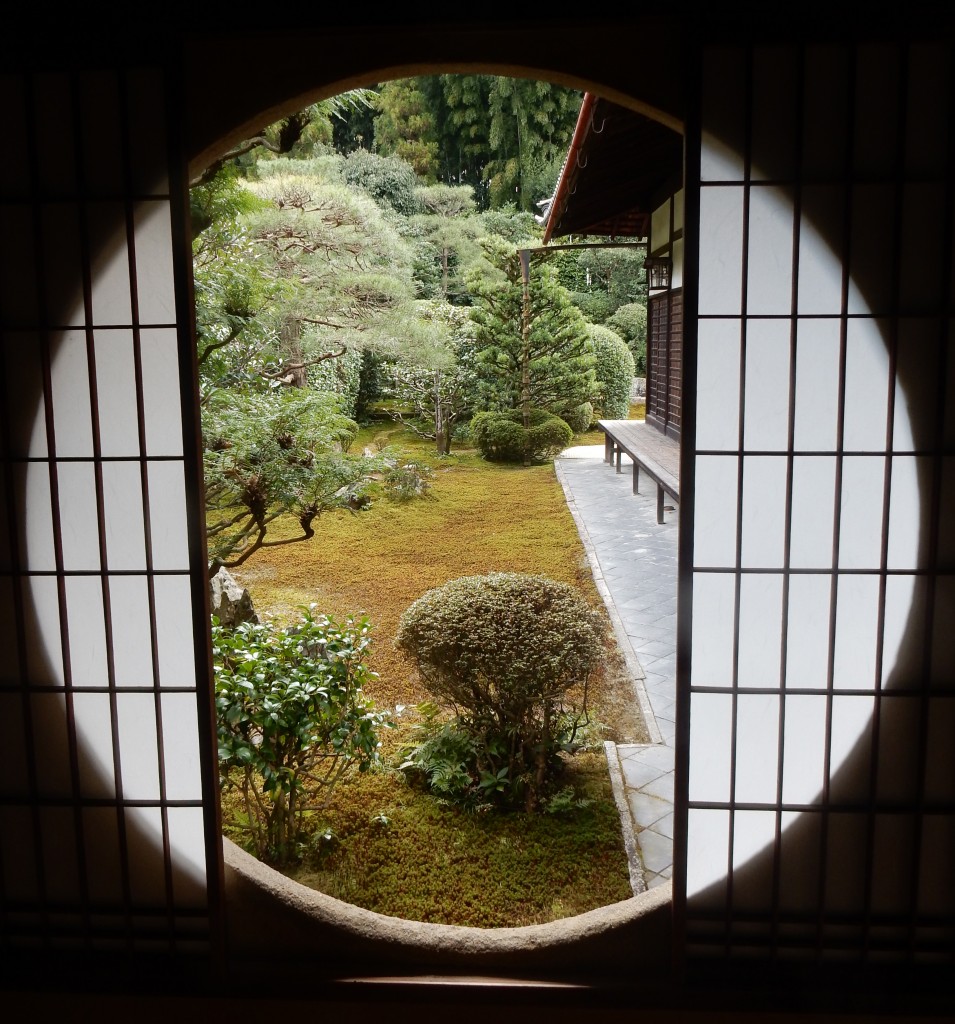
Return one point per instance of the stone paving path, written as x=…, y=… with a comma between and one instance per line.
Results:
x=634, y=562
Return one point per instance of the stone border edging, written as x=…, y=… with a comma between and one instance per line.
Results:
x=263, y=905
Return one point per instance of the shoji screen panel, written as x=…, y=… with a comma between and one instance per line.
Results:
x=817, y=671
x=107, y=796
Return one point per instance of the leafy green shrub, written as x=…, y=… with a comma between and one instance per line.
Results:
x=630, y=322
x=615, y=372
x=503, y=651
x=579, y=418
x=501, y=436
x=292, y=720
x=390, y=180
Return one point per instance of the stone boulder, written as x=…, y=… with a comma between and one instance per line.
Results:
x=229, y=602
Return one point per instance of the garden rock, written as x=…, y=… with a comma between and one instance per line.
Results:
x=229, y=601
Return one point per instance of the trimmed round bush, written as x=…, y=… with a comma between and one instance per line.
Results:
x=502, y=651
x=615, y=372
x=630, y=322
x=579, y=418
x=501, y=436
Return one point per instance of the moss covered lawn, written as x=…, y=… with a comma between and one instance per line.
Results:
x=391, y=848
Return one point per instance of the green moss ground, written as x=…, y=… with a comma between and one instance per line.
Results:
x=481, y=870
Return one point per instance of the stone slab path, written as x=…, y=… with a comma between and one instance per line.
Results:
x=634, y=563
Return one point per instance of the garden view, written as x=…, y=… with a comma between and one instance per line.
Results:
x=412, y=718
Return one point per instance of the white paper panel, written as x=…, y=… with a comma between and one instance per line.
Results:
x=767, y=386
x=116, y=393
x=84, y=610
x=79, y=520
x=136, y=718
x=132, y=643
x=711, y=719
x=174, y=631
x=714, y=534
x=724, y=97
x=908, y=513
x=757, y=747
x=32, y=480
x=760, y=630
x=144, y=838
x=904, y=631
x=764, y=511
x=189, y=864
x=817, y=385
x=813, y=508
x=157, y=302
x=714, y=611
x=161, y=404
x=167, y=516
x=69, y=374
x=867, y=387
x=180, y=731
x=804, y=748
x=820, y=272
x=916, y=389
x=769, y=260
x=753, y=832
x=851, y=731
x=110, y=270
x=807, y=647
x=123, y=500
x=860, y=526
x=721, y=246
x=857, y=621
x=717, y=393
x=94, y=729
x=708, y=841
x=42, y=631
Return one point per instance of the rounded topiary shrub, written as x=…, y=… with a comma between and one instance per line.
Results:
x=503, y=651
x=615, y=372
x=630, y=322
x=501, y=436
x=579, y=418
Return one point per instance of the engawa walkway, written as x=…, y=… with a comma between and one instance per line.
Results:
x=634, y=563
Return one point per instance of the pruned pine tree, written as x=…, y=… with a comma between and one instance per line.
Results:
x=449, y=228
x=533, y=346
x=345, y=270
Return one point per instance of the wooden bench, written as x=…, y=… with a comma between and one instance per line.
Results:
x=650, y=451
